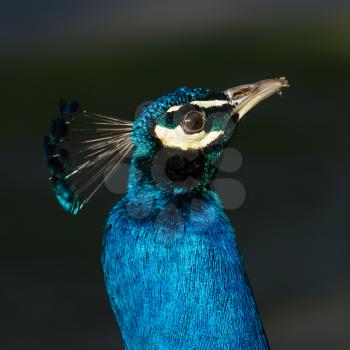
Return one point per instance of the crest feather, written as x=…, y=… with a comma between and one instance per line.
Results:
x=82, y=151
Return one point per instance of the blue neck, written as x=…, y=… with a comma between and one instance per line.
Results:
x=175, y=276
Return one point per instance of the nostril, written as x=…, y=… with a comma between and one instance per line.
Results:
x=242, y=92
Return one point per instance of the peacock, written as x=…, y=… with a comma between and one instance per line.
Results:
x=173, y=272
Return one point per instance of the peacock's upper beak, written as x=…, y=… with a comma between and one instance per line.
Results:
x=245, y=97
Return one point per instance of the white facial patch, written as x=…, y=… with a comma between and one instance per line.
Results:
x=201, y=104
x=210, y=104
x=174, y=108
x=177, y=138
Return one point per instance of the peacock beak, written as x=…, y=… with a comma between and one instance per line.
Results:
x=245, y=97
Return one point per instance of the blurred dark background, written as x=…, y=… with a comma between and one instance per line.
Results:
x=294, y=227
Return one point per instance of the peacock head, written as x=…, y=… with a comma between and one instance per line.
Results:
x=179, y=137
x=175, y=142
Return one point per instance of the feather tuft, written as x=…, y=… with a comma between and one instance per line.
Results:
x=82, y=151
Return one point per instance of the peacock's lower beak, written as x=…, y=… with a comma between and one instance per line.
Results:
x=245, y=97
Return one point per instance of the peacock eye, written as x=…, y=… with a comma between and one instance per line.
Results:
x=193, y=122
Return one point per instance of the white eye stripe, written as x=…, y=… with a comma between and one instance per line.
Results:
x=174, y=108
x=177, y=138
x=209, y=104
x=202, y=104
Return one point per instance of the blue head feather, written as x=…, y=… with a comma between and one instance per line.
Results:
x=153, y=114
x=147, y=147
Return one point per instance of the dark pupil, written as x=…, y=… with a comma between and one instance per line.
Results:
x=193, y=121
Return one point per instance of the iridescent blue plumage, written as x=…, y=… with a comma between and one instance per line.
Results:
x=172, y=268
x=173, y=271
x=176, y=279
